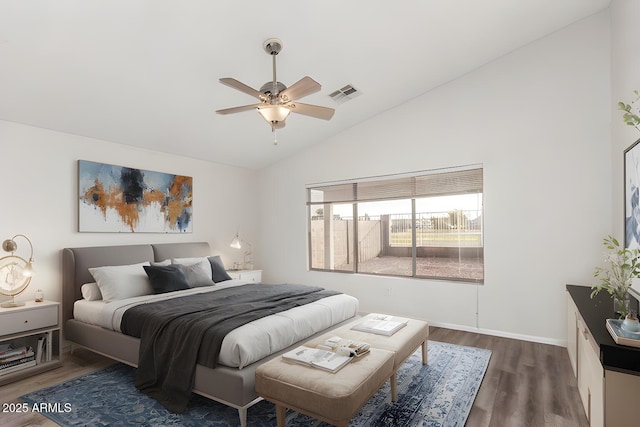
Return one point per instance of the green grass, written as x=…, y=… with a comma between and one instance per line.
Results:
x=430, y=238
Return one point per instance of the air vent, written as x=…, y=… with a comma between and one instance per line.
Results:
x=345, y=94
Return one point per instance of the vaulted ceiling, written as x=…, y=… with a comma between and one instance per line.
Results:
x=145, y=72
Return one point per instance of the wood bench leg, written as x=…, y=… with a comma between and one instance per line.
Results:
x=424, y=352
x=281, y=415
x=393, y=382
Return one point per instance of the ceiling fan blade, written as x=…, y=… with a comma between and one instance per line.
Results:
x=238, y=109
x=316, y=111
x=228, y=81
x=303, y=87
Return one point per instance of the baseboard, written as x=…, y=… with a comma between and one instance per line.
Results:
x=503, y=334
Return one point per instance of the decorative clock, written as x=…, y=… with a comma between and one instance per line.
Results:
x=15, y=271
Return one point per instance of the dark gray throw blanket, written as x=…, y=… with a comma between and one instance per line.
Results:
x=176, y=334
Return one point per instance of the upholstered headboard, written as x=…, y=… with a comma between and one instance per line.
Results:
x=180, y=250
x=77, y=261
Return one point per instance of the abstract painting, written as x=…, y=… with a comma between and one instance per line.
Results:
x=632, y=196
x=124, y=199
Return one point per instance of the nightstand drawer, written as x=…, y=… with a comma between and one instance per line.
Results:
x=13, y=322
x=251, y=276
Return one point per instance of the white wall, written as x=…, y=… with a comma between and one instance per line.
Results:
x=39, y=198
x=538, y=120
x=625, y=78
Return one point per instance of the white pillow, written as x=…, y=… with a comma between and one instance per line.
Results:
x=197, y=270
x=91, y=292
x=122, y=281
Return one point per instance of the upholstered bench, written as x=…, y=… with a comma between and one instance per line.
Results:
x=331, y=397
x=403, y=343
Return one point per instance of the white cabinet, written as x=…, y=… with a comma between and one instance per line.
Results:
x=253, y=276
x=29, y=340
x=584, y=354
x=621, y=398
x=572, y=334
x=609, y=391
x=590, y=376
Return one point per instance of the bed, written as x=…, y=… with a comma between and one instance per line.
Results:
x=231, y=382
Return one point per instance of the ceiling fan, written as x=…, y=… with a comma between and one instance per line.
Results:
x=277, y=100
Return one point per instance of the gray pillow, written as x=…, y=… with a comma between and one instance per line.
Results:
x=217, y=268
x=166, y=278
x=198, y=273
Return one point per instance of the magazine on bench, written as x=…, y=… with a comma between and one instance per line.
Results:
x=331, y=355
x=381, y=324
x=317, y=358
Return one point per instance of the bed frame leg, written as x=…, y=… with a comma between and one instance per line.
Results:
x=242, y=413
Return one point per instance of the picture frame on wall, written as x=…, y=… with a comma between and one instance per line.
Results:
x=632, y=196
x=632, y=205
x=119, y=199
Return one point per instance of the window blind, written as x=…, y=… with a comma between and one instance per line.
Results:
x=420, y=184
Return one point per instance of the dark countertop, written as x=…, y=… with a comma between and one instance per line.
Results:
x=595, y=312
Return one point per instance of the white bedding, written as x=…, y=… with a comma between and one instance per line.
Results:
x=248, y=343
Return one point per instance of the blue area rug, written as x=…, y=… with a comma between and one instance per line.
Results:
x=440, y=393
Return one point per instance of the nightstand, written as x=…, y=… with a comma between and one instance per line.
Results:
x=253, y=276
x=29, y=340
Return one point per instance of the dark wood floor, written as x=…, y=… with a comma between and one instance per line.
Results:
x=526, y=384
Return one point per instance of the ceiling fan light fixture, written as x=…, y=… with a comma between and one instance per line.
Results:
x=276, y=99
x=274, y=114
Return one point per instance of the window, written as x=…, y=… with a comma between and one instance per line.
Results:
x=426, y=224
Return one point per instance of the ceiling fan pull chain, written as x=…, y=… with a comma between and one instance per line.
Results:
x=275, y=137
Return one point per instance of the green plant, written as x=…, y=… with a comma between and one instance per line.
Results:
x=623, y=265
x=630, y=117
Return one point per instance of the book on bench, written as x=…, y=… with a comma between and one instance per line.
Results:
x=381, y=324
x=345, y=346
x=317, y=358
